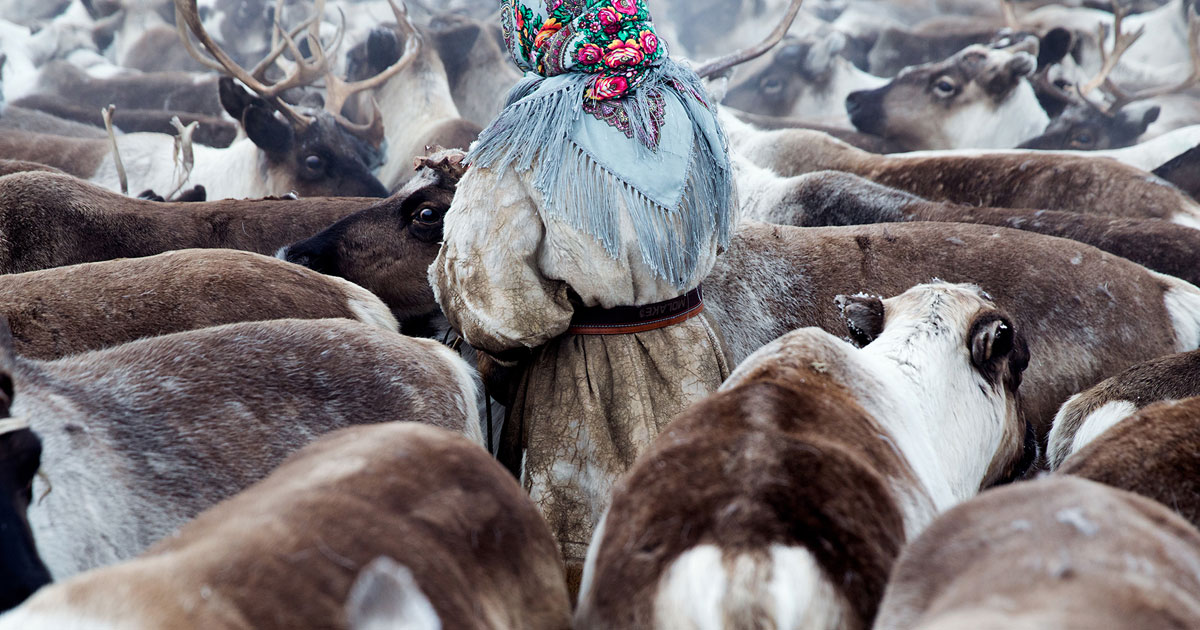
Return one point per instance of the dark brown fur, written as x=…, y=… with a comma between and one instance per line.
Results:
x=834, y=198
x=1059, y=553
x=1154, y=453
x=49, y=220
x=1024, y=180
x=808, y=466
x=1083, y=322
x=8, y=167
x=35, y=121
x=285, y=552
x=387, y=247
x=69, y=310
x=1184, y=172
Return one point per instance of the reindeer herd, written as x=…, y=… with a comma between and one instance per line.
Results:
x=967, y=258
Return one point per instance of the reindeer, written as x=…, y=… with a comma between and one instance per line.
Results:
x=1091, y=413
x=978, y=98
x=804, y=78
x=317, y=154
x=462, y=546
x=831, y=198
x=783, y=499
x=144, y=436
x=418, y=95
x=1007, y=179
x=1120, y=119
x=69, y=310
x=1152, y=452
x=1061, y=553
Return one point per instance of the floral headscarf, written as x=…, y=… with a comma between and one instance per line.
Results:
x=611, y=39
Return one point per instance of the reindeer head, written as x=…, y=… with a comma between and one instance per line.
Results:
x=320, y=153
x=978, y=98
x=788, y=81
x=388, y=247
x=963, y=359
x=1118, y=117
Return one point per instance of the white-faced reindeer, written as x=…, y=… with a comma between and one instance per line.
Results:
x=979, y=98
x=783, y=499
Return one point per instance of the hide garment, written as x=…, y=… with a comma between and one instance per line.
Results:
x=581, y=199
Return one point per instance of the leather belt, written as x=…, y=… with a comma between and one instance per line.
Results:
x=623, y=320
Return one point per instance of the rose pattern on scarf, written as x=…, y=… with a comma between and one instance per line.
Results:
x=614, y=40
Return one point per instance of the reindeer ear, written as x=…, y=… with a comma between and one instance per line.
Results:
x=1054, y=47
x=863, y=315
x=268, y=132
x=234, y=98
x=1149, y=116
x=994, y=343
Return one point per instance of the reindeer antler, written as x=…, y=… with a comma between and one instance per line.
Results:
x=1010, y=15
x=304, y=72
x=1122, y=97
x=1121, y=43
x=721, y=64
x=339, y=90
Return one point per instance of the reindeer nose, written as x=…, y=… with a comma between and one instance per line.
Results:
x=854, y=102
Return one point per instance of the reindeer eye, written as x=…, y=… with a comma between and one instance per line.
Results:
x=1083, y=138
x=314, y=162
x=427, y=215
x=1062, y=84
x=944, y=88
x=772, y=85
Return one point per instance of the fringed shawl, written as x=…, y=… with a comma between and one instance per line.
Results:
x=657, y=152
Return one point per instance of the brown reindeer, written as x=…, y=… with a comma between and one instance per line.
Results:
x=1151, y=453
x=69, y=310
x=141, y=437
x=1002, y=179
x=1092, y=413
x=1086, y=314
x=783, y=499
x=468, y=547
x=1062, y=553
x=828, y=198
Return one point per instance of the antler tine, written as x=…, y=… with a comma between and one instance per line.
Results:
x=1123, y=98
x=1010, y=15
x=339, y=91
x=1121, y=43
x=721, y=64
x=187, y=14
x=277, y=47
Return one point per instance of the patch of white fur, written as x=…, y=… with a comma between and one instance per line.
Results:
x=1058, y=443
x=1186, y=219
x=982, y=125
x=1182, y=302
x=386, y=596
x=691, y=591
x=23, y=618
x=916, y=379
x=366, y=306
x=803, y=597
x=225, y=173
x=469, y=386
x=1099, y=421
